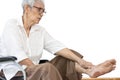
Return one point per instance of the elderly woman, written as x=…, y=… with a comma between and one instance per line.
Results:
x=25, y=39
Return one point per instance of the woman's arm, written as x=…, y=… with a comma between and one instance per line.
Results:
x=26, y=62
x=70, y=55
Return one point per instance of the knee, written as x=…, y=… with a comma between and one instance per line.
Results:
x=48, y=66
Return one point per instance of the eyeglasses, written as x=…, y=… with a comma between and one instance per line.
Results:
x=40, y=10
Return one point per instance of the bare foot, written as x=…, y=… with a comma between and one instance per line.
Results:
x=102, y=68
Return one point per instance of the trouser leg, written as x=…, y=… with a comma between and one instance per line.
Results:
x=66, y=67
x=44, y=71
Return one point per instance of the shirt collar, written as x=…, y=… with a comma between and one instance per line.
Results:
x=20, y=22
x=35, y=27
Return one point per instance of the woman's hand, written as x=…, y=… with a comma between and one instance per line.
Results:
x=85, y=64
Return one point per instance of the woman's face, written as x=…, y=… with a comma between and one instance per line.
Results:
x=36, y=12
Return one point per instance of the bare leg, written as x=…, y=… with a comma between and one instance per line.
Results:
x=81, y=69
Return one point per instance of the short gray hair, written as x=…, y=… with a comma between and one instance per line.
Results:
x=30, y=2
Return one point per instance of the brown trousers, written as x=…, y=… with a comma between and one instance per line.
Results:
x=58, y=68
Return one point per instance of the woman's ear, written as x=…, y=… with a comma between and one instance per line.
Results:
x=27, y=8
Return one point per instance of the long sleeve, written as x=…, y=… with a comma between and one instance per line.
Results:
x=51, y=44
x=11, y=41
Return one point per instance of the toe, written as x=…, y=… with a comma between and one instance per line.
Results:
x=112, y=61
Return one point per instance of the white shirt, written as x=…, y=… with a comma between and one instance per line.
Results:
x=18, y=44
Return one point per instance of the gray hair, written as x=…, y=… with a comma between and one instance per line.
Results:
x=30, y=2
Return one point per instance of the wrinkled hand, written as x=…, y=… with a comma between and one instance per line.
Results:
x=85, y=64
x=30, y=69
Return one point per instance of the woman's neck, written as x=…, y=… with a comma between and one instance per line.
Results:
x=26, y=24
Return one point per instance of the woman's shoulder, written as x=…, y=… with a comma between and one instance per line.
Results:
x=11, y=21
x=10, y=24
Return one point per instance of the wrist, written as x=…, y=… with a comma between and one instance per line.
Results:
x=79, y=61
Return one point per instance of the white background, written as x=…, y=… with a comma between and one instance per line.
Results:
x=90, y=27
